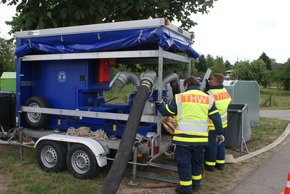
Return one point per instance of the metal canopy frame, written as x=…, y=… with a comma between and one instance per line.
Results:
x=127, y=57
x=115, y=26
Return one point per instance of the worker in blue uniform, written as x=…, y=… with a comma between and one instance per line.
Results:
x=191, y=110
x=214, y=154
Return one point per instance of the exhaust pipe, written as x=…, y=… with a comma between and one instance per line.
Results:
x=119, y=165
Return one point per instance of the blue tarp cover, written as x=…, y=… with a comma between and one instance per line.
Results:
x=107, y=41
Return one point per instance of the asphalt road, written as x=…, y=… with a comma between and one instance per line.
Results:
x=271, y=176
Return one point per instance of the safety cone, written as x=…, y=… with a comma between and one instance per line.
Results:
x=287, y=188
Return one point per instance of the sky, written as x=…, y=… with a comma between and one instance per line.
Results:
x=244, y=29
x=6, y=13
x=233, y=29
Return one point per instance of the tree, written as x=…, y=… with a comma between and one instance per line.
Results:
x=256, y=70
x=267, y=60
x=228, y=65
x=241, y=71
x=285, y=75
x=200, y=64
x=218, y=66
x=261, y=73
x=276, y=75
x=209, y=61
x=39, y=14
x=7, y=58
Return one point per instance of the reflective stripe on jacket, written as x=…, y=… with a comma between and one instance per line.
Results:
x=222, y=101
x=193, y=109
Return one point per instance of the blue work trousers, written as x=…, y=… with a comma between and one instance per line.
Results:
x=210, y=150
x=189, y=160
x=221, y=153
x=214, y=153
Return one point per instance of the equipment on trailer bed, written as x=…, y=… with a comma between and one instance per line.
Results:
x=62, y=74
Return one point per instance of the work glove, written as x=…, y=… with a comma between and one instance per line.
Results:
x=207, y=85
x=220, y=139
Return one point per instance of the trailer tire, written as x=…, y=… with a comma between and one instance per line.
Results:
x=37, y=120
x=51, y=156
x=81, y=162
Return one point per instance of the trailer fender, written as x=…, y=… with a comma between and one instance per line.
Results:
x=93, y=145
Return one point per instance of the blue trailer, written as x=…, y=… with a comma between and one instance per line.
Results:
x=62, y=74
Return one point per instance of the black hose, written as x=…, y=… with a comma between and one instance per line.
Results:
x=173, y=79
x=175, y=88
x=119, y=165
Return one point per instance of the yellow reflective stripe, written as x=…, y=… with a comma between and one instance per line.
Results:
x=224, y=118
x=224, y=114
x=211, y=126
x=192, y=133
x=213, y=112
x=167, y=108
x=190, y=139
x=210, y=163
x=196, y=178
x=194, y=122
x=225, y=124
x=185, y=183
x=192, y=128
x=220, y=161
x=187, y=124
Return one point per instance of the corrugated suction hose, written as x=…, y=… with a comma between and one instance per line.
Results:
x=119, y=165
x=173, y=79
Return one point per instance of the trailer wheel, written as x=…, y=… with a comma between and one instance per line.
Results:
x=37, y=120
x=51, y=156
x=81, y=162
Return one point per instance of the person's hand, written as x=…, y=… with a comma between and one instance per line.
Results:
x=220, y=139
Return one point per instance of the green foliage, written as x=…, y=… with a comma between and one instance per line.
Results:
x=267, y=60
x=228, y=65
x=200, y=64
x=219, y=66
x=7, y=58
x=180, y=69
x=209, y=61
x=276, y=77
x=241, y=71
x=285, y=75
x=256, y=70
x=39, y=14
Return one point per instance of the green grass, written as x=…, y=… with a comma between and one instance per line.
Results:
x=268, y=131
x=29, y=178
x=119, y=95
x=279, y=99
